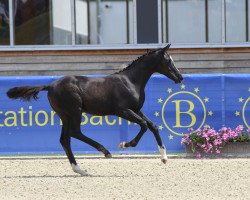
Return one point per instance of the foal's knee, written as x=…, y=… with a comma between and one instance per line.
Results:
x=153, y=127
x=144, y=126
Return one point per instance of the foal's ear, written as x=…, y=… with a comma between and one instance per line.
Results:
x=164, y=49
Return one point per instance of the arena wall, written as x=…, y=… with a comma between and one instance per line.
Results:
x=202, y=99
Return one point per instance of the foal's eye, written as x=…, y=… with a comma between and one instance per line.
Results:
x=167, y=57
x=168, y=60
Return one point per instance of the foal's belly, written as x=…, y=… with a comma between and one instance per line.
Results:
x=98, y=106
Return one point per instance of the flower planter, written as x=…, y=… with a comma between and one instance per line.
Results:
x=231, y=149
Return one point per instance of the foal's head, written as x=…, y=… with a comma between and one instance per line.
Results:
x=166, y=65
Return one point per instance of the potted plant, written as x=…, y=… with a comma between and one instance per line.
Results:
x=208, y=141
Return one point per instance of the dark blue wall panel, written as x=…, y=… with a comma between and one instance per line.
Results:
x=213, y=99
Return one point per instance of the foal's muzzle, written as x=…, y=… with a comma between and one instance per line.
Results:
x=179, y=78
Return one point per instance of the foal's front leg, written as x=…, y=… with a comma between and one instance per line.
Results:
x=133, y=117
x=153, y=128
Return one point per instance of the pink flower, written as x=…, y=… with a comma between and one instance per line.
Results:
x=225, y=137
x=183, y=140
x=217, y=142
x=239, y=129
x=234, y=134
x=224, y=129
x=190, y=130
x=217, y=151
x=199, y=132
x=205, y=135
x=186, y=140
x=198, y=155
x=209, y=147
x=207, y=140
x=211, y=132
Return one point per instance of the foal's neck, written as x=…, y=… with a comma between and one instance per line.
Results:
x=141, y=72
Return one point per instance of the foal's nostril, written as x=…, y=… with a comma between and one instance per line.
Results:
x=180, y=77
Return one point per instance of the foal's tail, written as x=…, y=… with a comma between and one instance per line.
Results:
x=26, y=92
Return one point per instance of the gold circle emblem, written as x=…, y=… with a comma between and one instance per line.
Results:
x=175, y=94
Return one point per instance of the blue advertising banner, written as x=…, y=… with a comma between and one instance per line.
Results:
x=202, y=99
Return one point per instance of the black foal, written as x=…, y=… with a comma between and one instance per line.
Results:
x=121, y=94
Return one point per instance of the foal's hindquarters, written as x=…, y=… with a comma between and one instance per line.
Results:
x=67, y=103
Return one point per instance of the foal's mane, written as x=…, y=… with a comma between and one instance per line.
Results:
x=134, y=62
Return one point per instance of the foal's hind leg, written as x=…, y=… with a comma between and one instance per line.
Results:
x=65, y=142
x=76, y=133
x=153, y=128
x=71, y=128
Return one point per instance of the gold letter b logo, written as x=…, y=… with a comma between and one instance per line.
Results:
x=188, y=112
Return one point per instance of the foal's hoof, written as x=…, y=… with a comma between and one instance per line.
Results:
x=122, y=145
x=163, y=153
x=78, y=170
x=164, y=160
x=108, y=155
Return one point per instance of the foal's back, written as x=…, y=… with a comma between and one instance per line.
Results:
x=94, y=95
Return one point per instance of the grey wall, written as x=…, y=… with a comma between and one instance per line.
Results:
x=109, y=61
